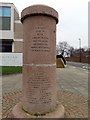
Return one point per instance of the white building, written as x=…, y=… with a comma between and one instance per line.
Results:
x=10, y=29
x=11, y=42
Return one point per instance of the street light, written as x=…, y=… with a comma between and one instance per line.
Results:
x=80, y=49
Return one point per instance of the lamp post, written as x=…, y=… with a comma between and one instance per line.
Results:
x=80, y=49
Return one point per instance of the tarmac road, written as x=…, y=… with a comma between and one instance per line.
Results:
x=78, y=64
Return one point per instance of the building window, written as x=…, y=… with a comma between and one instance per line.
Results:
x=6, y=12
x=6, y=45
x=0, y=11
x=5, y=18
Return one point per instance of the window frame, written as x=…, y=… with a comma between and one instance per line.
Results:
x=3, y=16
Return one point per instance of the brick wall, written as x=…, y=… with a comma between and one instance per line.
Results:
x=76, y=57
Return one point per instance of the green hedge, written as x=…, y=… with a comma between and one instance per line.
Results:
x=5, y=70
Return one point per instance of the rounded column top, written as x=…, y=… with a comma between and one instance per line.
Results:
x=35, y=10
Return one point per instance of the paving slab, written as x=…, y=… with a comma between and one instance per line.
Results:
x=73, y=79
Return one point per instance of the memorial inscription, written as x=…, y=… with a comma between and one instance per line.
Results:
x=40, y=85
x=40, y=39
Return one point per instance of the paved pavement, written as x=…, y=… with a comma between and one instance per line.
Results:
x=73, y=79
x=70, y=78
x=11, y=83
x=72, y=84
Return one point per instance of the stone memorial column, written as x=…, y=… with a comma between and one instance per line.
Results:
x=39, y=64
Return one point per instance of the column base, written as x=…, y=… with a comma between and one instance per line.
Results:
x=18, y=112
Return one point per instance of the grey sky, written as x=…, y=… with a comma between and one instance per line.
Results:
x=73, y=18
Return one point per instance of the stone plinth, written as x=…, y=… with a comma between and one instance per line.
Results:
x=39, y=63
x=60, y=63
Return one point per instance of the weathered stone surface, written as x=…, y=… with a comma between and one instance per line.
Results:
x=39, y=10
x=39, y=71
x=39, y=88
x=20, y=113
x=39, y=63
x=39, y=40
